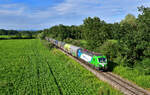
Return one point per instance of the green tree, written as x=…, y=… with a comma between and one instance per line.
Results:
x=129, y=19
x=18, y=35
x=94, y=31
x=136, y=38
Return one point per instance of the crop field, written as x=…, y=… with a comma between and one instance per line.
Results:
x=28, y=67
x=6, y=36
x=14, y=36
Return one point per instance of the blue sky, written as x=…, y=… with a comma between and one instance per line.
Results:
x=41, y=14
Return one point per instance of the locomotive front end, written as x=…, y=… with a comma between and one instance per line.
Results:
x=102, y=60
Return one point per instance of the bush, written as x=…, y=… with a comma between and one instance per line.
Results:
x=68, y=40
x=113, y=51
x=18, y=35
x=42, y=35
x=144, y=66
x=109, y=48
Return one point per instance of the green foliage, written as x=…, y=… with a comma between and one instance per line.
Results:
x=80, y=43
x=147, y=51
x=68, y=40
x=95, y=31
x=112, y=49
x=109, y=48
x=18, y=35
x=61, y=32
x=42, y=35
x=144, y=66
x=8, y=32
x=83, y=43
x=7, y=36
x=91, y=27
x=29, y=35
x=137, y=76
x=14, y=34
x=129, y=19
x=137, y=37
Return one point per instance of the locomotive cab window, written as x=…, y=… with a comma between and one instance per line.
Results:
x=101, y=59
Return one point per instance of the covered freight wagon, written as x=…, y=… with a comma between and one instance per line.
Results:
x=59, y=43
x=52, y=41
x=49, y=39
x=67, y=47
x=74, y=50
x=56, y=42
x=62, y=45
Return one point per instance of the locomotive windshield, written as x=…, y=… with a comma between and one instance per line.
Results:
x=101, y=60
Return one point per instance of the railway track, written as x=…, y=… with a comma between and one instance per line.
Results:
x=114, y=80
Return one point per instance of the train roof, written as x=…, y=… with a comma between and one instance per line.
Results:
x=91, y=53
x=76, y=47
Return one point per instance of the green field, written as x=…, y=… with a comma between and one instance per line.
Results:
x=7, y=36
x=15, y=36
x=28, y=67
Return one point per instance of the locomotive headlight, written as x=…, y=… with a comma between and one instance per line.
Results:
x=103, y=64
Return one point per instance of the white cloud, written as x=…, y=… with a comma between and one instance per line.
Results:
x=11, y=9
x=11, y=12
x=8, y=5
x=64, y=8
x=75, y=6
x=40, y=14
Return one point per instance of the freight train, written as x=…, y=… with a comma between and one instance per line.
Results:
x=98, y=61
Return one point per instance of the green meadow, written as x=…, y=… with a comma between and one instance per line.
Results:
x=29, y=67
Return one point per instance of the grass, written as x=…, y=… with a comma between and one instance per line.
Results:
x=113, y=41
x=28, y=67
x=133, y=75
x=83, y=41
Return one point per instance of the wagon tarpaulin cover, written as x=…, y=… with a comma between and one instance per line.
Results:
x=74, y=50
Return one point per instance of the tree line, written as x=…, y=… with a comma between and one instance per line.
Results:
x=15, y=34
x=125, y=43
